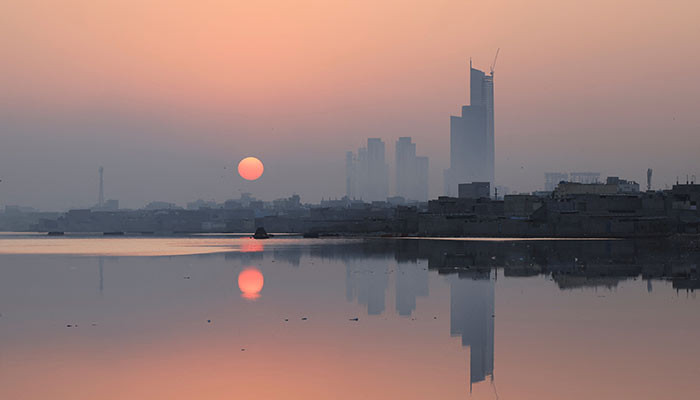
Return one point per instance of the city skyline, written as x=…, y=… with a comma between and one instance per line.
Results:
x=332, y=199
x=368, y=176
x=170, y=111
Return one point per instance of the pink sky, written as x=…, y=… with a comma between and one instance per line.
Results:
x=173, y=91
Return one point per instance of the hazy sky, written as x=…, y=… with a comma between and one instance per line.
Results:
x=169, y=95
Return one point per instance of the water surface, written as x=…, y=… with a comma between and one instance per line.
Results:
x=290, y=318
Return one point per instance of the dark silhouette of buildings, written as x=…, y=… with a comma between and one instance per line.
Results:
x=612, y=209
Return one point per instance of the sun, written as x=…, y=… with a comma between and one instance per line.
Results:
x=250, y=168
x=251, y=282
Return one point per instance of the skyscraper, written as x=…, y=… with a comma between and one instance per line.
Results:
x=367, y=174
x=472, y=148
x=411, y=171
x=421, y=179
x=350, y=175
x=377, y=187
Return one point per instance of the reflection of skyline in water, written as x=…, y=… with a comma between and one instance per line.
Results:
x=469, y=270
x=472, y=306
x=472, y=303
x=468, y=267
x=366, y=283
x=411, y=283
x=571, y=264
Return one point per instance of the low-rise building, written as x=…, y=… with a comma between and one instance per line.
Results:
x=474, y=190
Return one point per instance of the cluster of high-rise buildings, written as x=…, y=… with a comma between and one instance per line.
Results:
x=472, y=153
x=367, y=173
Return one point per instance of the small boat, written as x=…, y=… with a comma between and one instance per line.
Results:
x=260, y=233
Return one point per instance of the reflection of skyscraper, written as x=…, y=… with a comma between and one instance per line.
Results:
x=367, y=284
x=292, y=255
x=472, y=318
x=411, y=282
x=472, y=150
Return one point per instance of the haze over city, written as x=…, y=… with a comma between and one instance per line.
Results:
x=169, y=96
x=336, y=199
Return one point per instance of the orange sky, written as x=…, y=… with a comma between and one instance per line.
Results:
x=579, y=85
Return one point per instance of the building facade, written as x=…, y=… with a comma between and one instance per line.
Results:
x=366, y=173
x=411, y=171
x=472, y=146
x=474, y=190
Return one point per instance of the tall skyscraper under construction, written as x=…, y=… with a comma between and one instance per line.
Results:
x=472, y=150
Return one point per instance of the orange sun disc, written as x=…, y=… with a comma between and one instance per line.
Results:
x=250, y=168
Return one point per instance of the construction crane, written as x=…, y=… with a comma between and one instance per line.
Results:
x=493, y=66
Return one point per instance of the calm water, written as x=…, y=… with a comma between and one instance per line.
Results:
x=226, y=317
